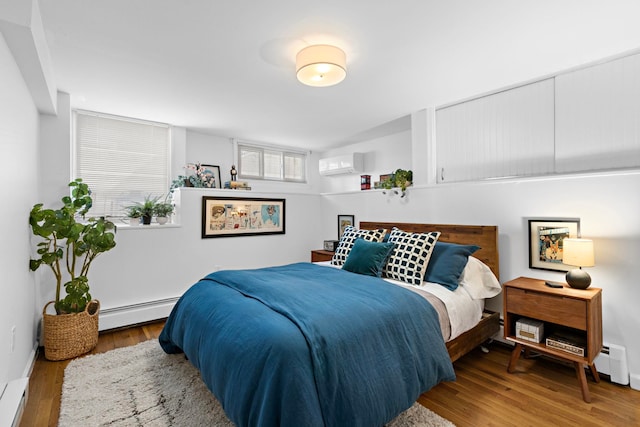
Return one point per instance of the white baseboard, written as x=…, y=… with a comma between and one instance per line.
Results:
x=28, y=369
x=117, y=317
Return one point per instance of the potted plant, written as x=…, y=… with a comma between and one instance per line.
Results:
x=162, y=211
x=146, y=209
x=68, y=246
x=400, y=178
x=134, y=214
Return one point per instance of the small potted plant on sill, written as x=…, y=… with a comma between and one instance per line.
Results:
x=134, y=214
x=68, y=245
x=163, y=210
x=146, y=209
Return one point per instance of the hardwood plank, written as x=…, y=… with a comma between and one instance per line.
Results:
x=541, y=391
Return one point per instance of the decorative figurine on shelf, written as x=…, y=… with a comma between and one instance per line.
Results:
x=233, y=172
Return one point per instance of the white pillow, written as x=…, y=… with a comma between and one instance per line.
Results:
x=478, y=280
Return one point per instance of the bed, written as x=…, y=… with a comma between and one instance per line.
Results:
x=303, y=344
x=484, y=236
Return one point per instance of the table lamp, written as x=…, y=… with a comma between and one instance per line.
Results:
x=578, y=253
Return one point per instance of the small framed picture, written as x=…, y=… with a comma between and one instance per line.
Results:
x=545, y=242
x=214, y=172
x=343, y=222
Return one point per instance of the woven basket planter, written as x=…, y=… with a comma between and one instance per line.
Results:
x=69, y=335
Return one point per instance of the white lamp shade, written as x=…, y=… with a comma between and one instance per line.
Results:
x=321, y=65
x=578, y=252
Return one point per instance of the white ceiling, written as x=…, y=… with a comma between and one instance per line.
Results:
x=228, y=67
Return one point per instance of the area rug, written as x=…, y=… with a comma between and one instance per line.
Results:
x=143, y=386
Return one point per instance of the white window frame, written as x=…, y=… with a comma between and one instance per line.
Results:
x=261, y=149
x=114, y=204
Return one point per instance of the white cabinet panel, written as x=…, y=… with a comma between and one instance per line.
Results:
x=598, y=117
x=509, y=133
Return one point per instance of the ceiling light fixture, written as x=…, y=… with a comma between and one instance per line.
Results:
x=321, y=65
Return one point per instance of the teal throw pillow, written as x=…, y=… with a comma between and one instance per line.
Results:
x=368, y=258
x=447, y=262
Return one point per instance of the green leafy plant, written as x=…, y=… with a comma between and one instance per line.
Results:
x=403, y=178
x=146, y=209
x=163, y=208
x=400, y=178
x=71, y=245
x=133, y=212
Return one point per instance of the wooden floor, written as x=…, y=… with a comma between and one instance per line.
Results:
x=541, y=392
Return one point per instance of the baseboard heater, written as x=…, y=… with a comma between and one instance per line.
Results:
x=12, y=401
x=612, y=361
x=117, y=317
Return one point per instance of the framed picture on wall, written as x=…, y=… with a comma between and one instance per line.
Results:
x=343, y=222
x=237, y=216
x=545, y=242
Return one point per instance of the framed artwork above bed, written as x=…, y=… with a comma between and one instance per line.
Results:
x=242, y=216
x=545, y=242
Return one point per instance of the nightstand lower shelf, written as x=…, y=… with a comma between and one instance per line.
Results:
x=578, y=362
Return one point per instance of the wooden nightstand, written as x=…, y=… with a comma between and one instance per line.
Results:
x=321, y=255
x=560, y=309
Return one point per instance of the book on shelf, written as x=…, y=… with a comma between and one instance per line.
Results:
x=237, y=185
x=567, y=341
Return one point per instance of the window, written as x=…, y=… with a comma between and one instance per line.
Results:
x=123, y=160
x=271, y=163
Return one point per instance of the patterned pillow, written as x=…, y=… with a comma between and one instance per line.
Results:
x=408, y=261
x=349, y=237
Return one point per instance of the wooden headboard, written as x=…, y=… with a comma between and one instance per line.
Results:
x=485, y=236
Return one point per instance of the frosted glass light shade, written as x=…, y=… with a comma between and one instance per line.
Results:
x=321, y=65
x=578, y=252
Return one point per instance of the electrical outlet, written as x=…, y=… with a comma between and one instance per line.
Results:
x=13, y=338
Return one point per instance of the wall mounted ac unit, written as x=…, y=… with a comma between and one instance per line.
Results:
x=343, y=164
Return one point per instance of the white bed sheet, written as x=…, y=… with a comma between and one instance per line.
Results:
x=463, y=311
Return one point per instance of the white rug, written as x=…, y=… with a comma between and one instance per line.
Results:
x=144, y=386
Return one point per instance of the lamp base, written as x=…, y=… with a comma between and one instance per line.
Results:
x=578, y=279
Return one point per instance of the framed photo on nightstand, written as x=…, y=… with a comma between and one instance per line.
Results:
x=545, y=242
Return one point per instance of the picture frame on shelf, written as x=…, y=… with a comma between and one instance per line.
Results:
x=343, y=222
x=212, y=170
x=242, y=216
x=545, y=242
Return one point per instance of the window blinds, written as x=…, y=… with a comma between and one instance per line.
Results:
x=122, y=160
x=510, y=133
x=598, y=117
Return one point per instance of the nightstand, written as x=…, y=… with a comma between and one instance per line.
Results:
x=321, y=255
x=562, y=311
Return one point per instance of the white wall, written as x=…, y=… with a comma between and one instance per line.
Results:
x=607, y=204
x=19, y=175
x=210, y=150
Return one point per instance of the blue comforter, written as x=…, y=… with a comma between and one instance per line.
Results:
x=306, y=345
